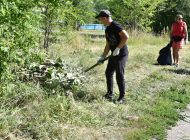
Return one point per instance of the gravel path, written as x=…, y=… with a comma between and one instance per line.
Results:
x=182, y=130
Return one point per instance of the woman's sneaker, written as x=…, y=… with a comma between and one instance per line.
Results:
x=175, y=64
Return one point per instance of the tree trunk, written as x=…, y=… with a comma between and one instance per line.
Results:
x=47, y=29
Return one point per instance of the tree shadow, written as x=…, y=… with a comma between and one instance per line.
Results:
x=180, y=71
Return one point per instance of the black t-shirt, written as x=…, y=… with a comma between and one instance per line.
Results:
x=113, y=37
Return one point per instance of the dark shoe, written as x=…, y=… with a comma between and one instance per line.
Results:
x=121, y=100
x=176, y=65
x=108, y=97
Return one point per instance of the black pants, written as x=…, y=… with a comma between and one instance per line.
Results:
x=116, y=64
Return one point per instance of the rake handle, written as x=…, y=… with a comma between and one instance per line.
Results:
x=93, y=66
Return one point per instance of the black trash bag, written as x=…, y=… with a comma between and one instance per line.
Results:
x=165, y=57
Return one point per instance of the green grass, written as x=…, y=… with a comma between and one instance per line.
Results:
x=154, y=93
x=161, y=113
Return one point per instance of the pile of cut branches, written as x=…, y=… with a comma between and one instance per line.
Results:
x=52, y=74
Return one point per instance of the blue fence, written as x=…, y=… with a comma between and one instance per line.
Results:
x=92, y=27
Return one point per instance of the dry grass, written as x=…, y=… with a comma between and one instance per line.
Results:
x=153, y=94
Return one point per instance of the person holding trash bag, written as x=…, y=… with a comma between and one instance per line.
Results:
x=179, y=35
x=116, y=38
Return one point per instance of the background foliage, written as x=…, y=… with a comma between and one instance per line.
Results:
x=166, y=12
x=25, y=26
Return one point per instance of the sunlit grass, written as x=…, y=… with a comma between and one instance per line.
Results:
x=154, y=95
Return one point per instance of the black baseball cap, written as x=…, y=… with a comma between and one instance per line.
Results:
x=104, y=13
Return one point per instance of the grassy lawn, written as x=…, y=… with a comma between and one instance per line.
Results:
x=155, y=95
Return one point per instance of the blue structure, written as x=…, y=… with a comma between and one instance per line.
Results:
x=92, y=27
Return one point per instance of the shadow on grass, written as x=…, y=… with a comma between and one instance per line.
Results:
x=180, y=71
x=157, y=64
x=85, y=96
